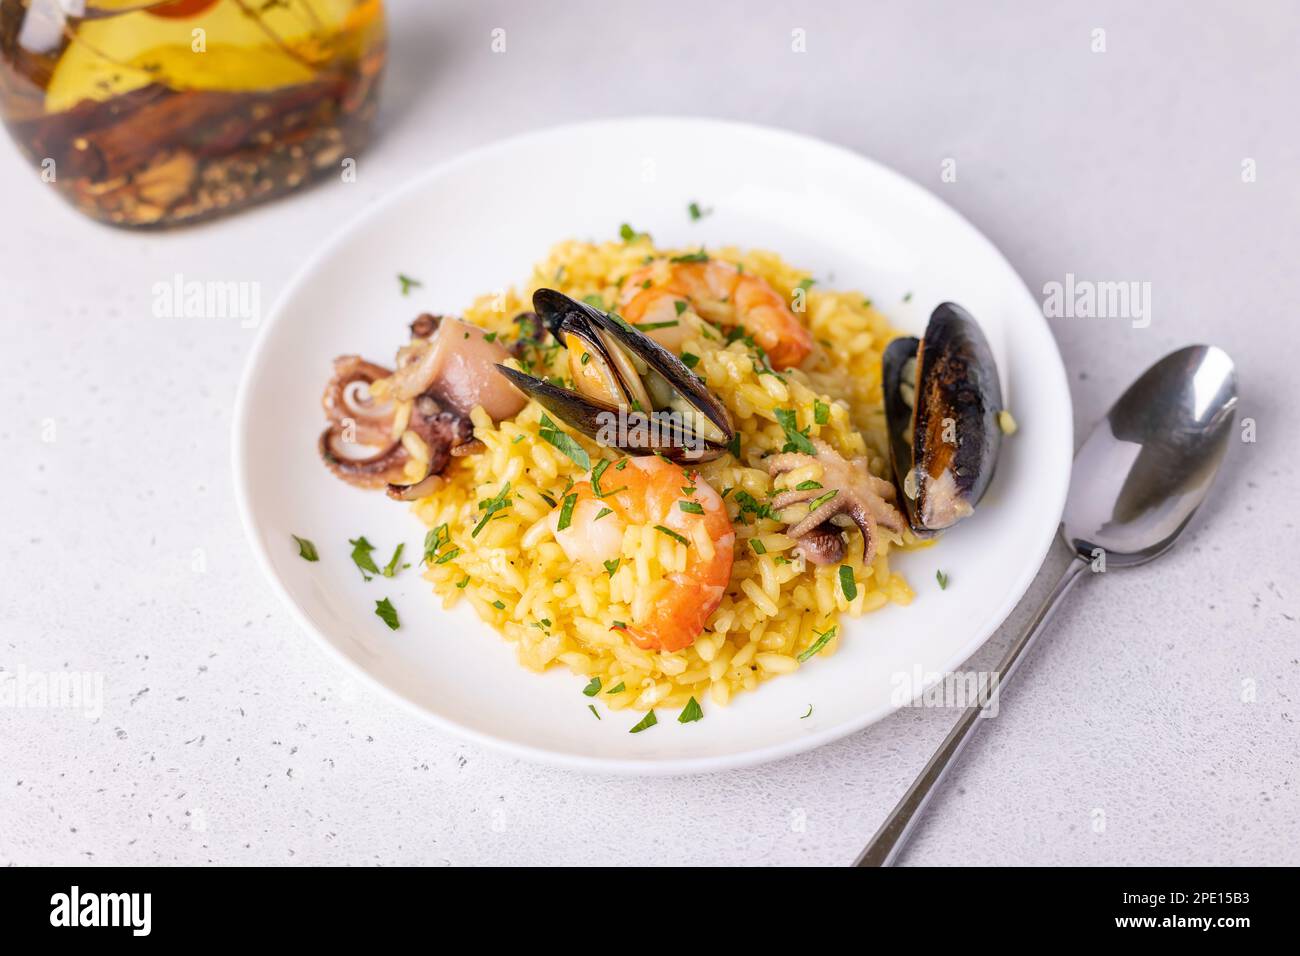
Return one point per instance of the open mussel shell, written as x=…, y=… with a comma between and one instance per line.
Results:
x=942, y=400
x=632, y=394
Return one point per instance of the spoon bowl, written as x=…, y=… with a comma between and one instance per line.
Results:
x=1147, y=466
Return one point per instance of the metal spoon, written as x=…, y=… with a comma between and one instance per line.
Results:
x=1137, y=481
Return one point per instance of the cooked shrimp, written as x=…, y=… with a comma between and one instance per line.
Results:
x=647, y=496
x=720, y=292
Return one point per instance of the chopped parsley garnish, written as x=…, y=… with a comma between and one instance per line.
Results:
x=806, y=284
x=434, y=540
x=551, y=434
x=592, y=708
x=491, y=507
x=649, y=720
x=691, y=712
x=462, y=584
x=942, y=579
x=847, y=584
x=751, y=505
x=807, y=715
x=700, y=256
x=628, y=234
x=822, y=499
x=616, y=689
x=447, y=556
x=306, y=550
x=361, y=549
x=651, y=326
x=390, y=568
x=517, y=439
x=612, y=565
x=595, y=301
x=387, y=613
x=691, y=507
x=671, y=533
x=592, y=688
x=795, y=440
x=680, y=306
x=908, y=297
x=599, y=470
x=621, y=321
x=816, y=646
x=821, y=412
x=758, y=546
x=696, y=212
x=408, y=283
x=499, y=605
x=620, y=464
x=603, y=512
x=566, y=512
x=808, y=485
x=733, y=446
x=690, y=360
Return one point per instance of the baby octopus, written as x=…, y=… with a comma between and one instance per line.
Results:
x=847, y=493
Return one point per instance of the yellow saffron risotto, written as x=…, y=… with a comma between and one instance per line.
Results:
x=493, y=546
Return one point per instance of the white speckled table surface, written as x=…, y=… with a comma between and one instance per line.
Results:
x=1158, y=722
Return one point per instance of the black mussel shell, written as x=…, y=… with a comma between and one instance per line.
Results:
x=570, y=315
x=643, y=434
x=953, y=423
x=647, y=431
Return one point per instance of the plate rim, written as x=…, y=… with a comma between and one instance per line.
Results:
x=622, y=766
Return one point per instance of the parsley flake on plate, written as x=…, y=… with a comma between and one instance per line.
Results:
x=361, y=549
x=391, y=567
x=697, y=212
x=306, y=550
x=387, y=613
x=649, y=720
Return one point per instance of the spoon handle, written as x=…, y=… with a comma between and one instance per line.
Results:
x=884, y=847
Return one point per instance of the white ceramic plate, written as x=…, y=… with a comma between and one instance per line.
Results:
x=477, y=223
